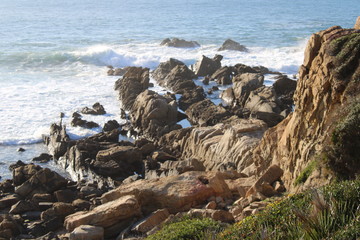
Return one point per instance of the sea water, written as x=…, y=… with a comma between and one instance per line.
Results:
x=53, y=54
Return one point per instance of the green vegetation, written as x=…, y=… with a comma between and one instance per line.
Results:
x=331, y=212
x=304, y=175
x=346, y=50
x=188, y=229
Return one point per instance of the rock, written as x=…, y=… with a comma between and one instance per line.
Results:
x=65, y=195
x=176, y=193
x=232, y=45
x=279, y=187
x=106, y=215
x=7, y=186
x=120, y=161
x=357, y=24
x=22, y=206
x=43, y=158
x=117, y=71
x=217, y=215
x=237, y=212
x=284, y=89
x=90, y=191
x=111, y=125
x=223, y=75
x=170, y=168
x=211, y=205
x=190, y=97
x=263, y=184
x=179, y=43
x=58, y=141
x=24, y=172
x=8, y=200
x=9, y=228
x=244, y=84
x=154, y=114
x=19, y=163
x=206, y=113
x=164, y=68
x=228, y=96
x=263, y=99
x=207, y=66
x=271, y=118
x=146, y=146
x=97, y=109
x=20, y=149
x=134, y=81
x=78, y=122
x=161, y=156
x=87, y=232
x=81, y=205
x=43, y=181
x=59, y=209
x=49, y=236
x=155, y=219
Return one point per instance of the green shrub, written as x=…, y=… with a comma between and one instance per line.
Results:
x=188, y=229
x=304, y=175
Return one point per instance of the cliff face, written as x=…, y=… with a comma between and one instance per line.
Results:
x=328, y=82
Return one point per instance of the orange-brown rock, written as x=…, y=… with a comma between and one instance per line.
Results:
x=357, y=24
x=176, y=193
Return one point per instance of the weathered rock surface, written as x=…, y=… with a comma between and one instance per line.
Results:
x=321, y=92
x=223, y=75
x=164, y=68
x=153, y=114
x=207, y=66
x=232, y=45
x=179, y=43
x=179, y=79
x=77, y=121
x=244, y=84
x=58, y=140
x=151, y=221
x=87, y=232
x=176, y=193
x=190, y=97
x=134, y=81
x=357, y=24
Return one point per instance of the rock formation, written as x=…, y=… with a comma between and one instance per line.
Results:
x=232, y=45
x=179, y=43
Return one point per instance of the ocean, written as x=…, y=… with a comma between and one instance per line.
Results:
x=54, y=54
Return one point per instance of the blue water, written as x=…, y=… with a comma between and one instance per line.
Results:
x=53, y=54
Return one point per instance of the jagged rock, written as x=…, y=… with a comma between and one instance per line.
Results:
x=9, y=200
x=190, y=97
x=217, y=215
x=117, y=71
x=242, y=68
x=43, y=158
x=43, y=181
x=77, y=121
x=244, y=84
x=176, y=193
x=7, y=186
x=179, y=79
x=81, y=205
x=58, y=140
x=154, y=114
x=178, y=167
x=155, y=219
x=134, y=81
x=97, y=109
x=228, y=96
x=87, y=232
x=42, y=197
x=207, y=66
x=111, y=125
x=262, y=99
x=22, y=206
x=19, y=163
x=20, y=149
x=122, y=209
x=321, y=93
x=206, y=113
x=24, y=172
x=179, y=43
x=58, y=209
x=164, y=68
x=232, y=45
x=120, y=161
x=219, y=147
x=223, y=75
x=65, y=195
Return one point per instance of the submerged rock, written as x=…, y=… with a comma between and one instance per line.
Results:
x=97, y=109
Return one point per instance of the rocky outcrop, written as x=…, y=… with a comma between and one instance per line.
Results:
x=164, y=68
x=153, y=114
x=223, y=75
x=357, y=24
x=134, y=81
x=233, y=46
x=97, y=109
x=323, y=90
x=77, y=121
x=220, y=147
x=207, y=66
x=179, y=43
x=179, y=79
x=58, y=141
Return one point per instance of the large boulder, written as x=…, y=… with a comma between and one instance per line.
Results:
x=223, y=75
x=179, y=43
x=207, y=66
x=153, y=114
x=232, y=45
x=58, y=140
x=164, y=68
x=357, y=24
x=134, y=81
x=285, y=88
x=244, y=84
x=122, y=209
x=176, y=193
x=206, y=113
x=179, y=79
x=87, y=232
x=190, y=97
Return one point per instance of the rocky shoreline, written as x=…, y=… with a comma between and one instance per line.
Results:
x=234, y=155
